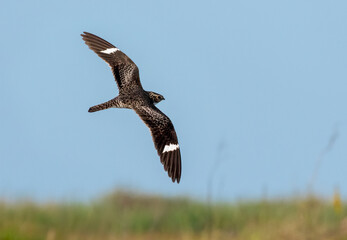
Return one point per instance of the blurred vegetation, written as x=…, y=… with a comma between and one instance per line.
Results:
x=130, y=216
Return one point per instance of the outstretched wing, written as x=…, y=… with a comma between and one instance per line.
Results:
x=124, y=69
x=164, y=138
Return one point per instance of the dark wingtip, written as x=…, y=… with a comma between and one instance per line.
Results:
x=85, y=34
x=178, y=179
x=172, y=164
x=175, y=179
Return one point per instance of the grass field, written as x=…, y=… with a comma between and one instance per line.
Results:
x=133, y=216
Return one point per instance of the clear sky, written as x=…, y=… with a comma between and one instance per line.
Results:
x=255, y=90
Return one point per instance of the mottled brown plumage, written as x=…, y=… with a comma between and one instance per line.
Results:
x=133, y=96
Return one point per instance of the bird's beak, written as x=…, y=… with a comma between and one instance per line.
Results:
x=163, y=98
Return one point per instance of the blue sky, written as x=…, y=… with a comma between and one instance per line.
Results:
x=255, y=90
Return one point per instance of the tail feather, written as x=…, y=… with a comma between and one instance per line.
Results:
x=113, y=103
x=101, y=106
x=98, y=108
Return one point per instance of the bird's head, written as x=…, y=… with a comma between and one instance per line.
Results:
x=155, y=97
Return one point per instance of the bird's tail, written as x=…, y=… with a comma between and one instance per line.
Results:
x=101, y=106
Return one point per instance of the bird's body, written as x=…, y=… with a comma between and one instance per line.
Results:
x=130, y=100
x=133, y=96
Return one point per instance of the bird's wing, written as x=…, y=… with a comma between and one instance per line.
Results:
x=164, y=138
x=124, y=69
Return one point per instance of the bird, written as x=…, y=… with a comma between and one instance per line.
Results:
x=133, y=96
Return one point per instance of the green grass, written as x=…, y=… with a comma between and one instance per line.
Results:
x=133, y=216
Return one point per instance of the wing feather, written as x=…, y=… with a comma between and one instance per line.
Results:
x=164, y=138
x=124, y=70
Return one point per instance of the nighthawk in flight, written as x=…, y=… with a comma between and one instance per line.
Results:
x=133, y=96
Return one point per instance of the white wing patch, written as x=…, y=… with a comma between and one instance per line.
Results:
x=171, y=147
x=110, y=50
